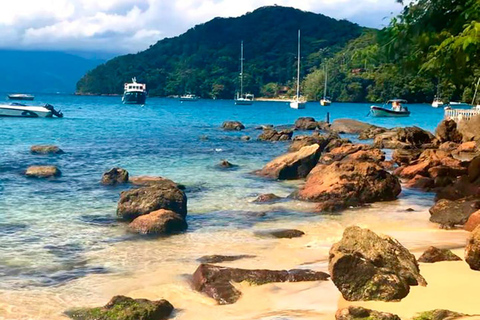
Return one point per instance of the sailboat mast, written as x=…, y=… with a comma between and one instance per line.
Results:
x=241, y=70
x=476, y=91
x=298, y=67
x=326, y=79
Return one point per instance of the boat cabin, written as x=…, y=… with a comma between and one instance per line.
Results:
x=135, y=86
x=397, y=104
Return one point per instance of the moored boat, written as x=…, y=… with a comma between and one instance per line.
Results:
x=25, y=111
x=189, y=97
x=134, y=92
x=397, y=109
x=297, y=103
x=21, y=96
x=325, y=101
x=437, y=102
x=243, y=99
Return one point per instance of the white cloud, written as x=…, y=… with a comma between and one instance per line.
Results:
x=133, y=25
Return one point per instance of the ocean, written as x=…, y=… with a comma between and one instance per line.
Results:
x=60, y=243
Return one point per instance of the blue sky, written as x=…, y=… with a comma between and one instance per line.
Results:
x=129, y=26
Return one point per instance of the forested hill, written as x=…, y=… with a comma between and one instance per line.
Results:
x=206, y=59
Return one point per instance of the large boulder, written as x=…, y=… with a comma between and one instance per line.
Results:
x=353, y=152
x=232, y=126
x=323, y=140
x=404, y=138
x=292, y=165
x=46, y=149
x=125, y=308
x=43, y=172
x=421, y=183
x=350, y=126
x=433, y=254
x=115, y=176
x=447, y=132
x=136, y=202
x=216, y=281
x=160, y=222
x=269, y=134
x=365, y=266
x=360, y=313
x=472, y=250
x=450, y=213
x=470, y=130
x=405, y=156
x=371, y=133
x=305, y=123
x=342, y=184
x=473, y=221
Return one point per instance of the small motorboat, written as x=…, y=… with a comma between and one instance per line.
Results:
x=23, y=111
x=21, y=96
x=189, y=97
x=437, y=102
x=325, y=102
x=397, y=109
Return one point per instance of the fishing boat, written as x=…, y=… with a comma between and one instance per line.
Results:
x=297, y=103
x=189, y=97
x=134, y=92
x=21, y=96
x=325, y=101
x=397, y=109
x=25, y=111
x=437, y=102
x=243, y=99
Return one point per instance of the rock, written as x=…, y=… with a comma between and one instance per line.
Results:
x=220, y=258
x=460, y=188
x=403, y=138
x=350, y=126
x=216, y=281
x=439, y=314
x=274, y=135
x=473, y=221
x=150, y=181
x=365, y=266
x=340, y=185
x=470, y=146
x=46, y=149
x=43, y=172
x=447, y=132
x=160, y=222
x=420, y=182
x=323, y=126
x=472, y=250
x=434, y=254
x=264, y=126
x=446, y=171
x=281, y=233
x=292, y=165
x=305, y=123
x=470, y=130
x=405, y=156
x=245, y=138
x=473, y=170
x=125, y=308
x=136, y=202
x=303, y=141
x=353, y=152
x=371, y=133
x=224, y=164
x=410, y=210
x=335, y=143
x=360, y=313
x=451, y=213
x=232, y=126
x=115, y=176
x=419, y=168
x=266, y=198
x=448, y=146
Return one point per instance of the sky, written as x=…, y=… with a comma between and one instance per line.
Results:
x=129, y=26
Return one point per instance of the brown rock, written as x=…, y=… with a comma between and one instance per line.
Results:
x=440, y=314
x=274, y=135
x=420, y=182
x=371, y=133
x=405, y=156
x=305, y=123
x=472, y=250
x=447, y=132
x=451, y=213
x=350, y=126
x=353, y=152
x=150, y=180
x=470, y=146
x=473, y=221
x=470, y=129
x=445, y=171
x=434, y=254
x=268, y=197
x=281, y=233
x=232, y=126
x=46, y=149
x=403, y=138
x=115, y=176
x=419, y=168
x=221, y=258
x=360, y=313
x=224, y=164
x=448, y=146
x=160, y=222
x=216, y=281
x=43, y=172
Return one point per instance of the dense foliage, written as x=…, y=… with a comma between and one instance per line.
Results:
x=206, y=59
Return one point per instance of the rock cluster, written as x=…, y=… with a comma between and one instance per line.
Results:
x=270, y=134
x=233, y=126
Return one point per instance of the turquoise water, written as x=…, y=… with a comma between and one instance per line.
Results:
x=48, y=228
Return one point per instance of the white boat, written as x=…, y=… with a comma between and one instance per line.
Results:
x=437, y=102
x=458, y=104
x=24, y=111
x=21, y=96
x=243, y=99
x=134, y=92
x=298, y=103
x=325, y=101
x=189, y=97
x=397, y=109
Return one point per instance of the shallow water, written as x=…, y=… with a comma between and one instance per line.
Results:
x=61, y=246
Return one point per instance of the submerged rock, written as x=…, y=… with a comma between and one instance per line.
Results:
x=270, y=134
x=232, y=126
x=136, y=202
x=46, y=149
x=43, y=172
x=281, y=233
x=115, y=176
x=292, y=165
x=434, y=254
x=160, y=222
x=451, y=213
x=221, y=258
x=125, y=308
x=216, y=281
x=472, y=250
x=266, y=198
x=365, y=266
x=360, y=313
x=439, y=314
x=224, y=164
x=153, y=180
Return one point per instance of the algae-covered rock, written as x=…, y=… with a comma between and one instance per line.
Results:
x=125, y=308
x=434, y=254
x=439, y=314
x=360, y=313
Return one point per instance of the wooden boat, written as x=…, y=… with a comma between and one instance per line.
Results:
x=397, y=109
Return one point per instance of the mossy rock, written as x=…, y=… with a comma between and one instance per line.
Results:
x=439, y=314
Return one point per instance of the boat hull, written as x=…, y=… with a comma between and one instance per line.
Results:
x=243, y=102
x=297, y=105
x=135, y=97
x=382, y=112
x=325, y=103
x=188, y=99
x=24, y=112
x=20, y=97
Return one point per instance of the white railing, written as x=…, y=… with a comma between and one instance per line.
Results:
x=461, y=114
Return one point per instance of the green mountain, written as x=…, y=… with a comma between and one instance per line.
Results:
x=206, y=59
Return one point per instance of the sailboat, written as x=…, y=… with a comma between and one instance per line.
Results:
x=243, y=99
x=325, y=101
x=297, y=103
x=477, y=106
